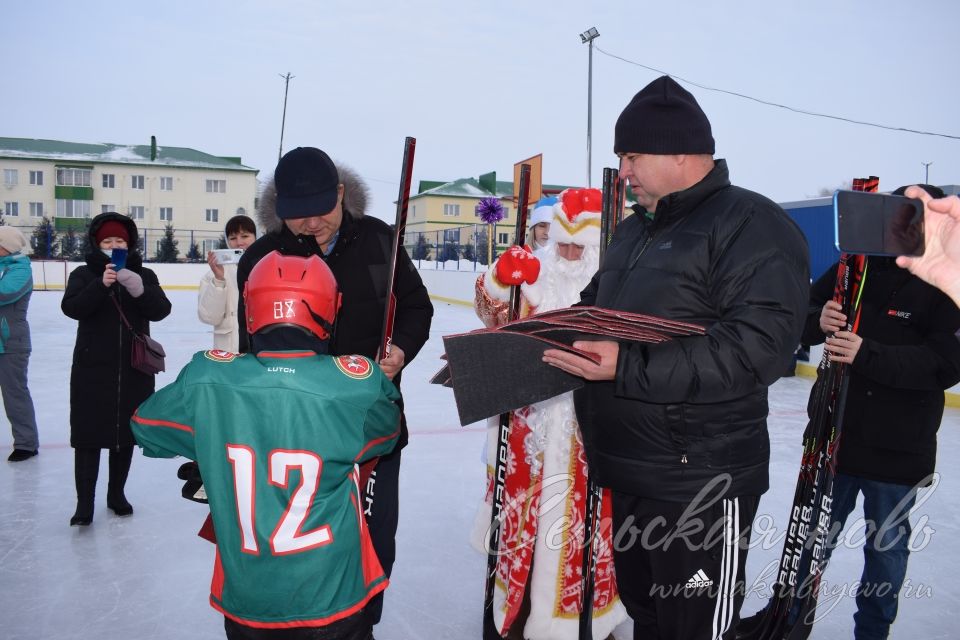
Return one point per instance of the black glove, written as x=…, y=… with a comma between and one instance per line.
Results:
x=193, y=487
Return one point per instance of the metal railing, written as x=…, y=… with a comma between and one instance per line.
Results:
x=457, y=248
x=71, y=244
x=463, y=248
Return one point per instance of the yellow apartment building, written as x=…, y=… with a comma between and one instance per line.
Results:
x=445, y=213
x=71, y=182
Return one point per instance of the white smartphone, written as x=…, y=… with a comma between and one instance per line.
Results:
x=228, y=256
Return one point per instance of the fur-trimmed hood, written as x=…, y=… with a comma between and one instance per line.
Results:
x=355, y=197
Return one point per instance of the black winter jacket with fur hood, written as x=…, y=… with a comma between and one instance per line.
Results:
x=360, y=261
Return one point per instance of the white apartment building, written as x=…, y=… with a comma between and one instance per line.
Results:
x=70, y=182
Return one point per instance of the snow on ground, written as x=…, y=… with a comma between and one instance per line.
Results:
x=148, y=576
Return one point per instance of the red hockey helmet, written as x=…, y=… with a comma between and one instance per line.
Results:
x=291, y=290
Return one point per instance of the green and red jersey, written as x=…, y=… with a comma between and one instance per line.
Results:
x=277, y=437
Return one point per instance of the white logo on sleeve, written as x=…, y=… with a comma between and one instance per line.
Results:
x=698, y=581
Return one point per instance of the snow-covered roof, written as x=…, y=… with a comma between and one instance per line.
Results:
x=472, y=188
x=465, y=188
x=106, y=153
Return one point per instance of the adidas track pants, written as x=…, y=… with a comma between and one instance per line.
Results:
x=680, y=567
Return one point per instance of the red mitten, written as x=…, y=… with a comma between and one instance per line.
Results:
x=531, y=266
x=516, y=265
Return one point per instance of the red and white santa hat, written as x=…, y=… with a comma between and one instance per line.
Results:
x=576, y=217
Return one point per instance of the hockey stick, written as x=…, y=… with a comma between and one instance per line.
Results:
x=400, y=227
x=503, y=434
x=611, y=213
x=609, y=218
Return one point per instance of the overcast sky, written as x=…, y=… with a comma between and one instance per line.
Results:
x=482, y=85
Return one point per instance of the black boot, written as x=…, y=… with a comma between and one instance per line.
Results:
x=86, y=467
x=119, y=469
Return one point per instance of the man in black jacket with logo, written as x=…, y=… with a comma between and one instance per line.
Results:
x=678, y=430
x=902, y=357
x=313, y=207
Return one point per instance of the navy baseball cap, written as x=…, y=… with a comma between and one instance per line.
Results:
x=306, y=181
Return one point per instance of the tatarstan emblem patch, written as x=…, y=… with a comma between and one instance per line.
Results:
x=219, y=355
x=354, y=366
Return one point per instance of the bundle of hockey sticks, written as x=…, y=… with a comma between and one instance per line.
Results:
x=792, y=608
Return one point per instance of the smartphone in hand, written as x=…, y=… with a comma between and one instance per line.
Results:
x=878, y=224
x=228, y=256
x=118, y=257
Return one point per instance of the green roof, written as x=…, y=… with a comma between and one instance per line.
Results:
x=471, y=188
x=462, y=188
x=59, y=151
x=426, y=185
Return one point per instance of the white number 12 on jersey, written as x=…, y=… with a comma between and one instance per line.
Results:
x=286, y=537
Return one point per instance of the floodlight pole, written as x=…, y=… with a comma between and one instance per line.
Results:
x=926, y=175
x=587, y=37
x=283, y=123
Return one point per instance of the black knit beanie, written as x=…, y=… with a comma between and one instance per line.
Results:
x=663, y=119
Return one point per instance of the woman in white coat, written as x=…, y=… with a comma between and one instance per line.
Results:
x=217, y=302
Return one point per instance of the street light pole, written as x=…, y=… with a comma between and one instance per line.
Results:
x=283, y=123
x=926, y=175
x=587, y=37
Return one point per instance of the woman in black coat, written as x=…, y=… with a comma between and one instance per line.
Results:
x=104, y=388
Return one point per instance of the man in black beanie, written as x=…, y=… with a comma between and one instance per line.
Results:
x=678, y=430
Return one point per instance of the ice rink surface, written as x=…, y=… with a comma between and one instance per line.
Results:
x=147, y=576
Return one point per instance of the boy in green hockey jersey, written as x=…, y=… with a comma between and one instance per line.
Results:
x=278, y=434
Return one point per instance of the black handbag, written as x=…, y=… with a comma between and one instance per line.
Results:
x=146, y=354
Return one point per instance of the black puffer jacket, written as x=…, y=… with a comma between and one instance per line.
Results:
x=681, y=413
x=104, y=389
x=360, y=263
x=909, y=355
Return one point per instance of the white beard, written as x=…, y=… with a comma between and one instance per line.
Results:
x=561, y=281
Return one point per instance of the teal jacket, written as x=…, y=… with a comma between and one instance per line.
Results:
x=16, y=285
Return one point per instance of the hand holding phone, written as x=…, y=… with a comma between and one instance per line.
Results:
x=877, y=224
x=228, y=256
x=118, y=257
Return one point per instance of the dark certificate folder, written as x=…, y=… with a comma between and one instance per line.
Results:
x=493, y=371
